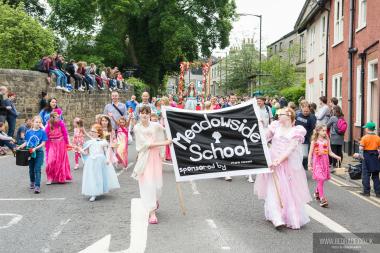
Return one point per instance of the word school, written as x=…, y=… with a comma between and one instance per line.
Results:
x=233, y=124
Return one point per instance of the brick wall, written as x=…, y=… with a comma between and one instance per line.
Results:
x=28, y=86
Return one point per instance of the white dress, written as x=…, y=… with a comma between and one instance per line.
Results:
x=98, y=177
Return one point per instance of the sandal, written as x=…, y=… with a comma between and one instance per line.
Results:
x=316, y=196
x=324, y=202
x=153, y=220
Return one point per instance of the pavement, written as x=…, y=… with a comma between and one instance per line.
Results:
x=220, y=216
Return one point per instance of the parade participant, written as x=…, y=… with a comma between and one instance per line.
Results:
x=35, y=139
x=370, y=152
x=45, y=113
x=148, y=170
x=319, y=153
x=285, y=191
x=214, y=104
x=99, y=176
x=57, y=159
x=78, y=139
x=154, y=118
x=191, y=97
x=144, y=102
x=122, y=141
x=132, y=103
x=108, y=134
x=157, y=108
x=172, y=103
x=115, y=109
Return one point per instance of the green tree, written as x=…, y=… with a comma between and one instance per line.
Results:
x=151, y=34
x=138, y=85
x=33, y=7
x=22, y=39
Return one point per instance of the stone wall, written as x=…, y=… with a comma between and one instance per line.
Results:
x=28, y=86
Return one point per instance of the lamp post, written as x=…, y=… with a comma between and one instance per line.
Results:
x=261, y=19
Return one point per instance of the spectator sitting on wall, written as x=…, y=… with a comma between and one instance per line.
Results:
x=20, y=135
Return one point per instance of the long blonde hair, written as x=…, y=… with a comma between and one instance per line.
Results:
x=318, y=128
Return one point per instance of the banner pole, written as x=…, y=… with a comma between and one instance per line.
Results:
x=275, y=179
x=180, y=196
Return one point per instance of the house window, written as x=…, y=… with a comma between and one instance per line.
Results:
x=275, y=49
x=337, y=88
x=338, y=21
x=358, y=106
x=302, y=48
x=280, y=47
x=372, y=91
x=290, y=43
x=323, y=34
x=362, y=18
x=311, y=43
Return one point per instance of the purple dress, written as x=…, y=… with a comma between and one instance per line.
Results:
x=290, y=177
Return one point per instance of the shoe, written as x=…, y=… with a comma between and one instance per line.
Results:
x=67, y=90
x=324, y=202
x=316, y=196
x=365, y=194
x=92, y=199
x=48, y=182
x=250, y=179
x=81, y=89
x=31, y=186
x=59, y=88
x=91, y=87
x=37, y=190
x=280, y=227
x=76, y=166
x=153, y=220
x=229, y=179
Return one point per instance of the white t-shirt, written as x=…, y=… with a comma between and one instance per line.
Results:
x=266, y=115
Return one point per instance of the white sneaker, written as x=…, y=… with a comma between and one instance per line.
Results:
x=59, y=88
x=48, y=182
x=92, y=199
x=250, y=179
x=81, y=89
x=229, y=179
x=67, y=90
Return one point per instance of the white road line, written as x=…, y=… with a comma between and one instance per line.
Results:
x=326, y=221
x=365, y=198
x=54, y=235
x=31, y=199
x=223, y=243
x=194, y=187
x=123, y=170
x=16, y=218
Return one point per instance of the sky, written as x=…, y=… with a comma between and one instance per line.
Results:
x=278, y=17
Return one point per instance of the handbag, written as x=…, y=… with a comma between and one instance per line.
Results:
x=339, y=170
x=355, y=171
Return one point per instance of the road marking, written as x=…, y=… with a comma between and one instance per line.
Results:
x=54, y=235
x=31, y=199
x=339, y=181
x=138, y=234
x=365, y=198
x=326, y=221
x=223, y=243
x=123, y=170
x=15, y=219
x=194, y=187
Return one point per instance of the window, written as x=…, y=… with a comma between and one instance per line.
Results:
x=311, y=42
x=337, y=88
x=358, y=106
x=323, y=34
x=362, y=17
x=275, y=49
x=290, y=43
x=280, y=47
x=372, y=91
x=302, y=48
x=338, y=21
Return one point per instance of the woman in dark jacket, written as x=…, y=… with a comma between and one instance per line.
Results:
x=336, y=139
x=12, y=113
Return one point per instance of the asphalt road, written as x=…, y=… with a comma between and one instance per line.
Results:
x=220, y=216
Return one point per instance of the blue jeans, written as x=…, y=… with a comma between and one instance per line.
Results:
x=11, y=125
x=9, y=144
x=61, y=77
x=35, y=165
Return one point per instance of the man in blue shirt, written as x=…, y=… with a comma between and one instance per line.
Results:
x=132, y=103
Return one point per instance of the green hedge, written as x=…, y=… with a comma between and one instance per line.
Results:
x=139, y=86
x=293, y=93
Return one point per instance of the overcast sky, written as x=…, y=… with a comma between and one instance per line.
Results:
x=279, y=17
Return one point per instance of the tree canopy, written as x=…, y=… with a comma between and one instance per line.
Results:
x=22, y=39
x=151, y=35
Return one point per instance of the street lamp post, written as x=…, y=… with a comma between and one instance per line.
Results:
x=261, y=18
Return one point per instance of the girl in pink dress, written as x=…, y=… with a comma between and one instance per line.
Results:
x=57, y=160
x=122, y=141
x=78, y=139
x=319, y=155
x=150, y=137
x=285, y=191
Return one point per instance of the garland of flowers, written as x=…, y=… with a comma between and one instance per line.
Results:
x=185, y=66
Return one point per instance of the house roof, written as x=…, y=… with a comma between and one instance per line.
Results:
x=283, y=37
x=306, y=17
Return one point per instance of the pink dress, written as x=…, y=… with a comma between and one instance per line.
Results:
x=291, y=180
x=150, y=181
x=57, y=160
x=321, y=167
x=122, y=148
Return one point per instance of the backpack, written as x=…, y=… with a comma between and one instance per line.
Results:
x=341, y=126
x=40, y=65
